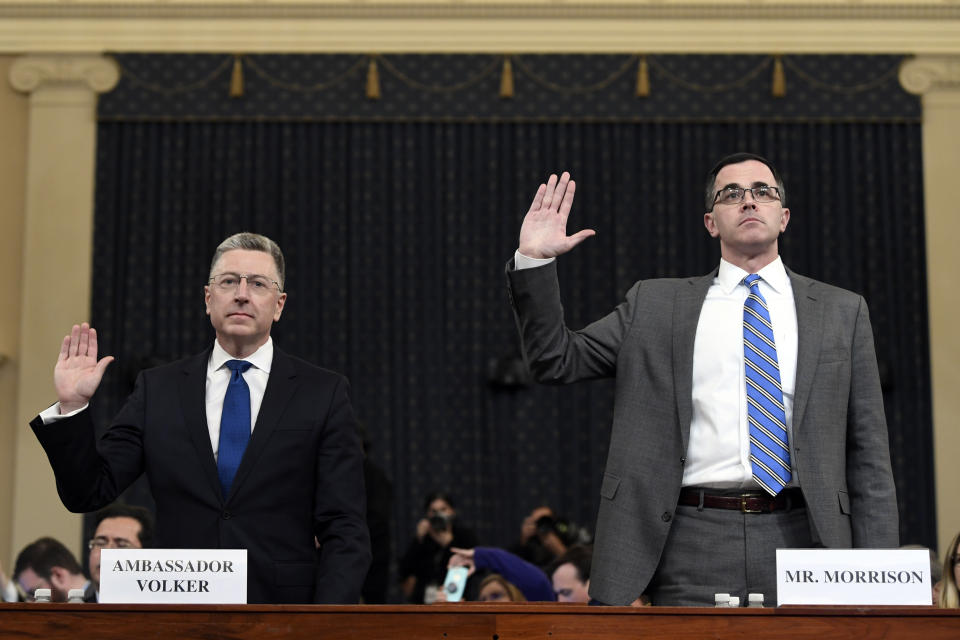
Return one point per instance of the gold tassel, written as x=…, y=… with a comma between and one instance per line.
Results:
x=236, y=78
x=506, y=79
x=643, y=78
x=779, y=89
x=373, y=80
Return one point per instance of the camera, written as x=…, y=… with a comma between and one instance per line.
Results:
x=569, y=533
x=440, y=521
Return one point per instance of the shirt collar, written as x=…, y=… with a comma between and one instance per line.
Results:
x=261, y=358
x=774, y=274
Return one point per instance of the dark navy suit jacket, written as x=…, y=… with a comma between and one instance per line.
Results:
x=301, y=476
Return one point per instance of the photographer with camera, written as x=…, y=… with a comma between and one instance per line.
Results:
x=424, y=565
x=544, y=536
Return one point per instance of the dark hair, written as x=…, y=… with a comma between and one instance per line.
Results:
x=120, y=510
x=737, y=158
x=579, y=556
x=42, y=556
x=438, y=495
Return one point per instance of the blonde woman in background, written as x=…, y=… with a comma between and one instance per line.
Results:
x=949, y=597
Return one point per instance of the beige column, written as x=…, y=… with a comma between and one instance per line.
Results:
x=937, y=80
x=57, y=249
x=13, y=153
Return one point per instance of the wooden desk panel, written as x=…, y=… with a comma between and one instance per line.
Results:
x=471, y=621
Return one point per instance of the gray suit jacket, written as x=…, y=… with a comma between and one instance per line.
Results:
x=839, y=448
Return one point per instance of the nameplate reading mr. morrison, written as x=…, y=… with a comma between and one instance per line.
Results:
x=173, y=576
x=853, y=576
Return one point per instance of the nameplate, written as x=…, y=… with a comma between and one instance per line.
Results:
x=853, y=576
x=173, y=576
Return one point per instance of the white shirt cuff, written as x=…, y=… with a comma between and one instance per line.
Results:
x=521, y=261
x=52, y=413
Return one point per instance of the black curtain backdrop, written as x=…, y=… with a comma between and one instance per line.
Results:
x=397, y=217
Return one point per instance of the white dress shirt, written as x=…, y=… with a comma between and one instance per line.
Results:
x=218, y=377
x=718, y=453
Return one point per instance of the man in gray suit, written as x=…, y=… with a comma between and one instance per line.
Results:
x=688, y=505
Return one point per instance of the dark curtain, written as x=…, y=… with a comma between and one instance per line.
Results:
x=396, y=233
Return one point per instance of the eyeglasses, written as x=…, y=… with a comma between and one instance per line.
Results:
x=256, y=284
x=736, y=195
x=102, y=542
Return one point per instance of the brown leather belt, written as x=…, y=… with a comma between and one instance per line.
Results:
x=746, y=501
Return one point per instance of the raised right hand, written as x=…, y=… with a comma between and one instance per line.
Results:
x=543, y=233
x=78, y=373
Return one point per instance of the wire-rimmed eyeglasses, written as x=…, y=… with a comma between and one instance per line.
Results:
x=257, y=284
x=736, y=195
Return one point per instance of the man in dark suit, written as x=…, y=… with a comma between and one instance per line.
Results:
x=245, y=447
x=718, y=456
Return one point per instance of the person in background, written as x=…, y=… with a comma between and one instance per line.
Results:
x=8, y=588
x=949, y=596
x=48, y=564
x=425, y=562
x=483, y=562
x=496, y=588
x=117, y=526
x=539, y=543
x=570, y=575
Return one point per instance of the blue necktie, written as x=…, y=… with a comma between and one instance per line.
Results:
x=769, y=452
x=234, y=425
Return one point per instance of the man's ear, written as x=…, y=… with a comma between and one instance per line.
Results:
x=784, y=219
x=710, y=224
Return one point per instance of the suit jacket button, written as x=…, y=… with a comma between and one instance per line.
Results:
x=225, y=515
x=667, y=516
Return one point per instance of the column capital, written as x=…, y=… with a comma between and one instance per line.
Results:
x=95, y=72
x=928, y=73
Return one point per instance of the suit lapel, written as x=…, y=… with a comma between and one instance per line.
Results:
x=193, y=401
x=686, y=315
x=280, y=388
x=809, y=334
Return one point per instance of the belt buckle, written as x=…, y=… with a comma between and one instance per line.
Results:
x=744, y=508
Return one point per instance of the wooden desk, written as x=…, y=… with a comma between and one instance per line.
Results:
x=472, y=621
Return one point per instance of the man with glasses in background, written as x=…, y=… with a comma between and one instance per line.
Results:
x=748, y=414
x=245, y=447
x=118, y=526
x=45, y=564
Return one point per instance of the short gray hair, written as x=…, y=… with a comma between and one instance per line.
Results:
x=252, y=242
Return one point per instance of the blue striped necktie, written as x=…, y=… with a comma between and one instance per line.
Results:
x=234, y=425
x=769, y=452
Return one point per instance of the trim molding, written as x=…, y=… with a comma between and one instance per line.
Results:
x=462, y=26
x=474, y=9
